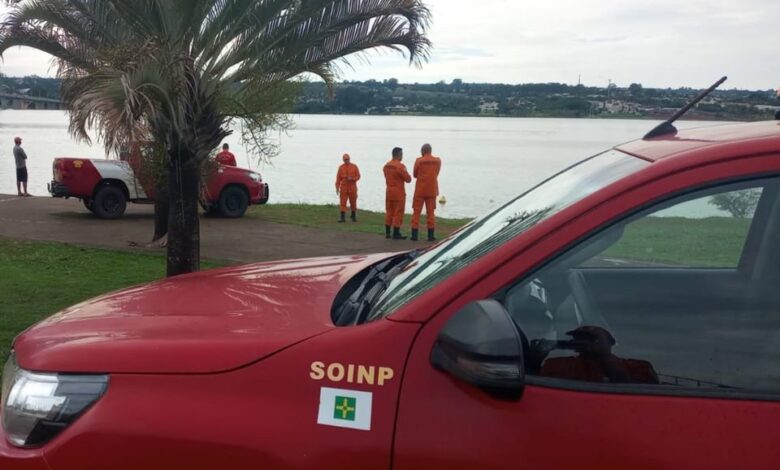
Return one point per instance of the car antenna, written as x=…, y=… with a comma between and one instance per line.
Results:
x=667, y=126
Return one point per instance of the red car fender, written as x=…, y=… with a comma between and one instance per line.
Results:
x=264, y=415
x=225, y=176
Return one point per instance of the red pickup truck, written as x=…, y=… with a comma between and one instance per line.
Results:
x=611, y=317
x=105, y=186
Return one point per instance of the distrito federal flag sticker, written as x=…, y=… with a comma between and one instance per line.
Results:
x=345, y=408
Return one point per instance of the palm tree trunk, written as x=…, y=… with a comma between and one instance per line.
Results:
x=183, y=223
x=161, y=208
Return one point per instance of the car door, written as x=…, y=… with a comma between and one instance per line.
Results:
x=653, y=342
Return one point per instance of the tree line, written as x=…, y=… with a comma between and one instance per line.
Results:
x=525, y=100
x=461, y=98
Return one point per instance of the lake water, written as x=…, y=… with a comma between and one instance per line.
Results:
x=485, y=161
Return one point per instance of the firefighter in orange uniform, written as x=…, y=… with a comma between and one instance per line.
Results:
x=595, y=361
x=426, y=171
x=346, y=187
x=396, y=178
x=226, y=157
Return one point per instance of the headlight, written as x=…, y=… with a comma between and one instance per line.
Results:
x=255, y=176
x=36, y=407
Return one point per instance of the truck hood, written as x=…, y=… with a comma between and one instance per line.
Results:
x=200, y=323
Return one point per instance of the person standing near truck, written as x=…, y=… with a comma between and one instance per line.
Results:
x=20, y=159
x=226, y=157
x=346, y=187
x=426, y=189
x=396, y=178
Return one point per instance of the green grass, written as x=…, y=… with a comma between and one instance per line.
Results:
x=39, y=279
x=708, y=242
x=326, y=216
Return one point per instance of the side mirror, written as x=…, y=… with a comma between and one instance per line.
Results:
x=482, y=346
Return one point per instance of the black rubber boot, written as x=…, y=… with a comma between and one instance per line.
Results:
x=342, y=220
x=353, y=216
x=387, y=231
x=431, y=238
x=414, y=235
x=397, y=234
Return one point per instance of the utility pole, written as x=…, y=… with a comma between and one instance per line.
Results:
x=606, y=97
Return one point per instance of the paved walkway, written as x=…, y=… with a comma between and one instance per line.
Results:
x=236, y=240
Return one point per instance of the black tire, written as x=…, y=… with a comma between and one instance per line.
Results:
x=109, y=203
x=233, y=202
x=211, y=211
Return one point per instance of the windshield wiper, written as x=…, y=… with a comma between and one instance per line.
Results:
x=355, y=309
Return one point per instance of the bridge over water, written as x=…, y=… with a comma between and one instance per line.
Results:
x=17, y=101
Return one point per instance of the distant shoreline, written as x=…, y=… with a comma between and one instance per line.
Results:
x=595, y=118
x=694, y=117
x=461, y=99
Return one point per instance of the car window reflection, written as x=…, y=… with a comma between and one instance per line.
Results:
x=683, y=294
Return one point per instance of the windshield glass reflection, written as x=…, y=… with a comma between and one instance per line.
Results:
x=486, y=234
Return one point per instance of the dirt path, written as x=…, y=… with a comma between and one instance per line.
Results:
x=236, y=240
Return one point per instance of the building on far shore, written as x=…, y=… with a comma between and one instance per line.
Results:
x=399, y=109
x=490, y=107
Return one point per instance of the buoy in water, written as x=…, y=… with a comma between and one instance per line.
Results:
x=442, y=200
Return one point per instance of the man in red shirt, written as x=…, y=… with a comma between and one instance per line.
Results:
x=226, y=157
x=396, y=178
x=346, y=187
x=426, y=170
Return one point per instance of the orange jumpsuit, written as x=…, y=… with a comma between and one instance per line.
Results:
x=396, y=178
x=426, y=170
x=346, y=185
x=226, y=157
x=609, y=369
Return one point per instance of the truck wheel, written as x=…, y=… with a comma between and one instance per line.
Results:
x=109, y=203
x=233, y=202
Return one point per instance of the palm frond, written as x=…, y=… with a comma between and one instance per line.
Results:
x=187, y=67
x=323, y=31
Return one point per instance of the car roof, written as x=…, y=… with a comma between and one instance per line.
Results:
x=752, y=138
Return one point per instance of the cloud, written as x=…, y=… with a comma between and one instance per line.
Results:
x=461, y=53
x=602, y=40
x=20, y=61
x=664, y=43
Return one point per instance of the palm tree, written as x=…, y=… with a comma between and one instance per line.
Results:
x=181, y=71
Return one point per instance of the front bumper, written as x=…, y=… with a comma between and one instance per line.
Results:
x=14, y=458
x=260, y=194
x=57, y=189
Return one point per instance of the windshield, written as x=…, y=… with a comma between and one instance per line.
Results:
x=487, y=233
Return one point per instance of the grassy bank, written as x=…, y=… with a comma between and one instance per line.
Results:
x=326, y=216
x=39, y=279
x=707, y=242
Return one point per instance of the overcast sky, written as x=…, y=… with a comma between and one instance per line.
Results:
x=658, y=43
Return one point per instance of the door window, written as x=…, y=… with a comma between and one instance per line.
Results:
x=684, y=294
x=707, y=231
